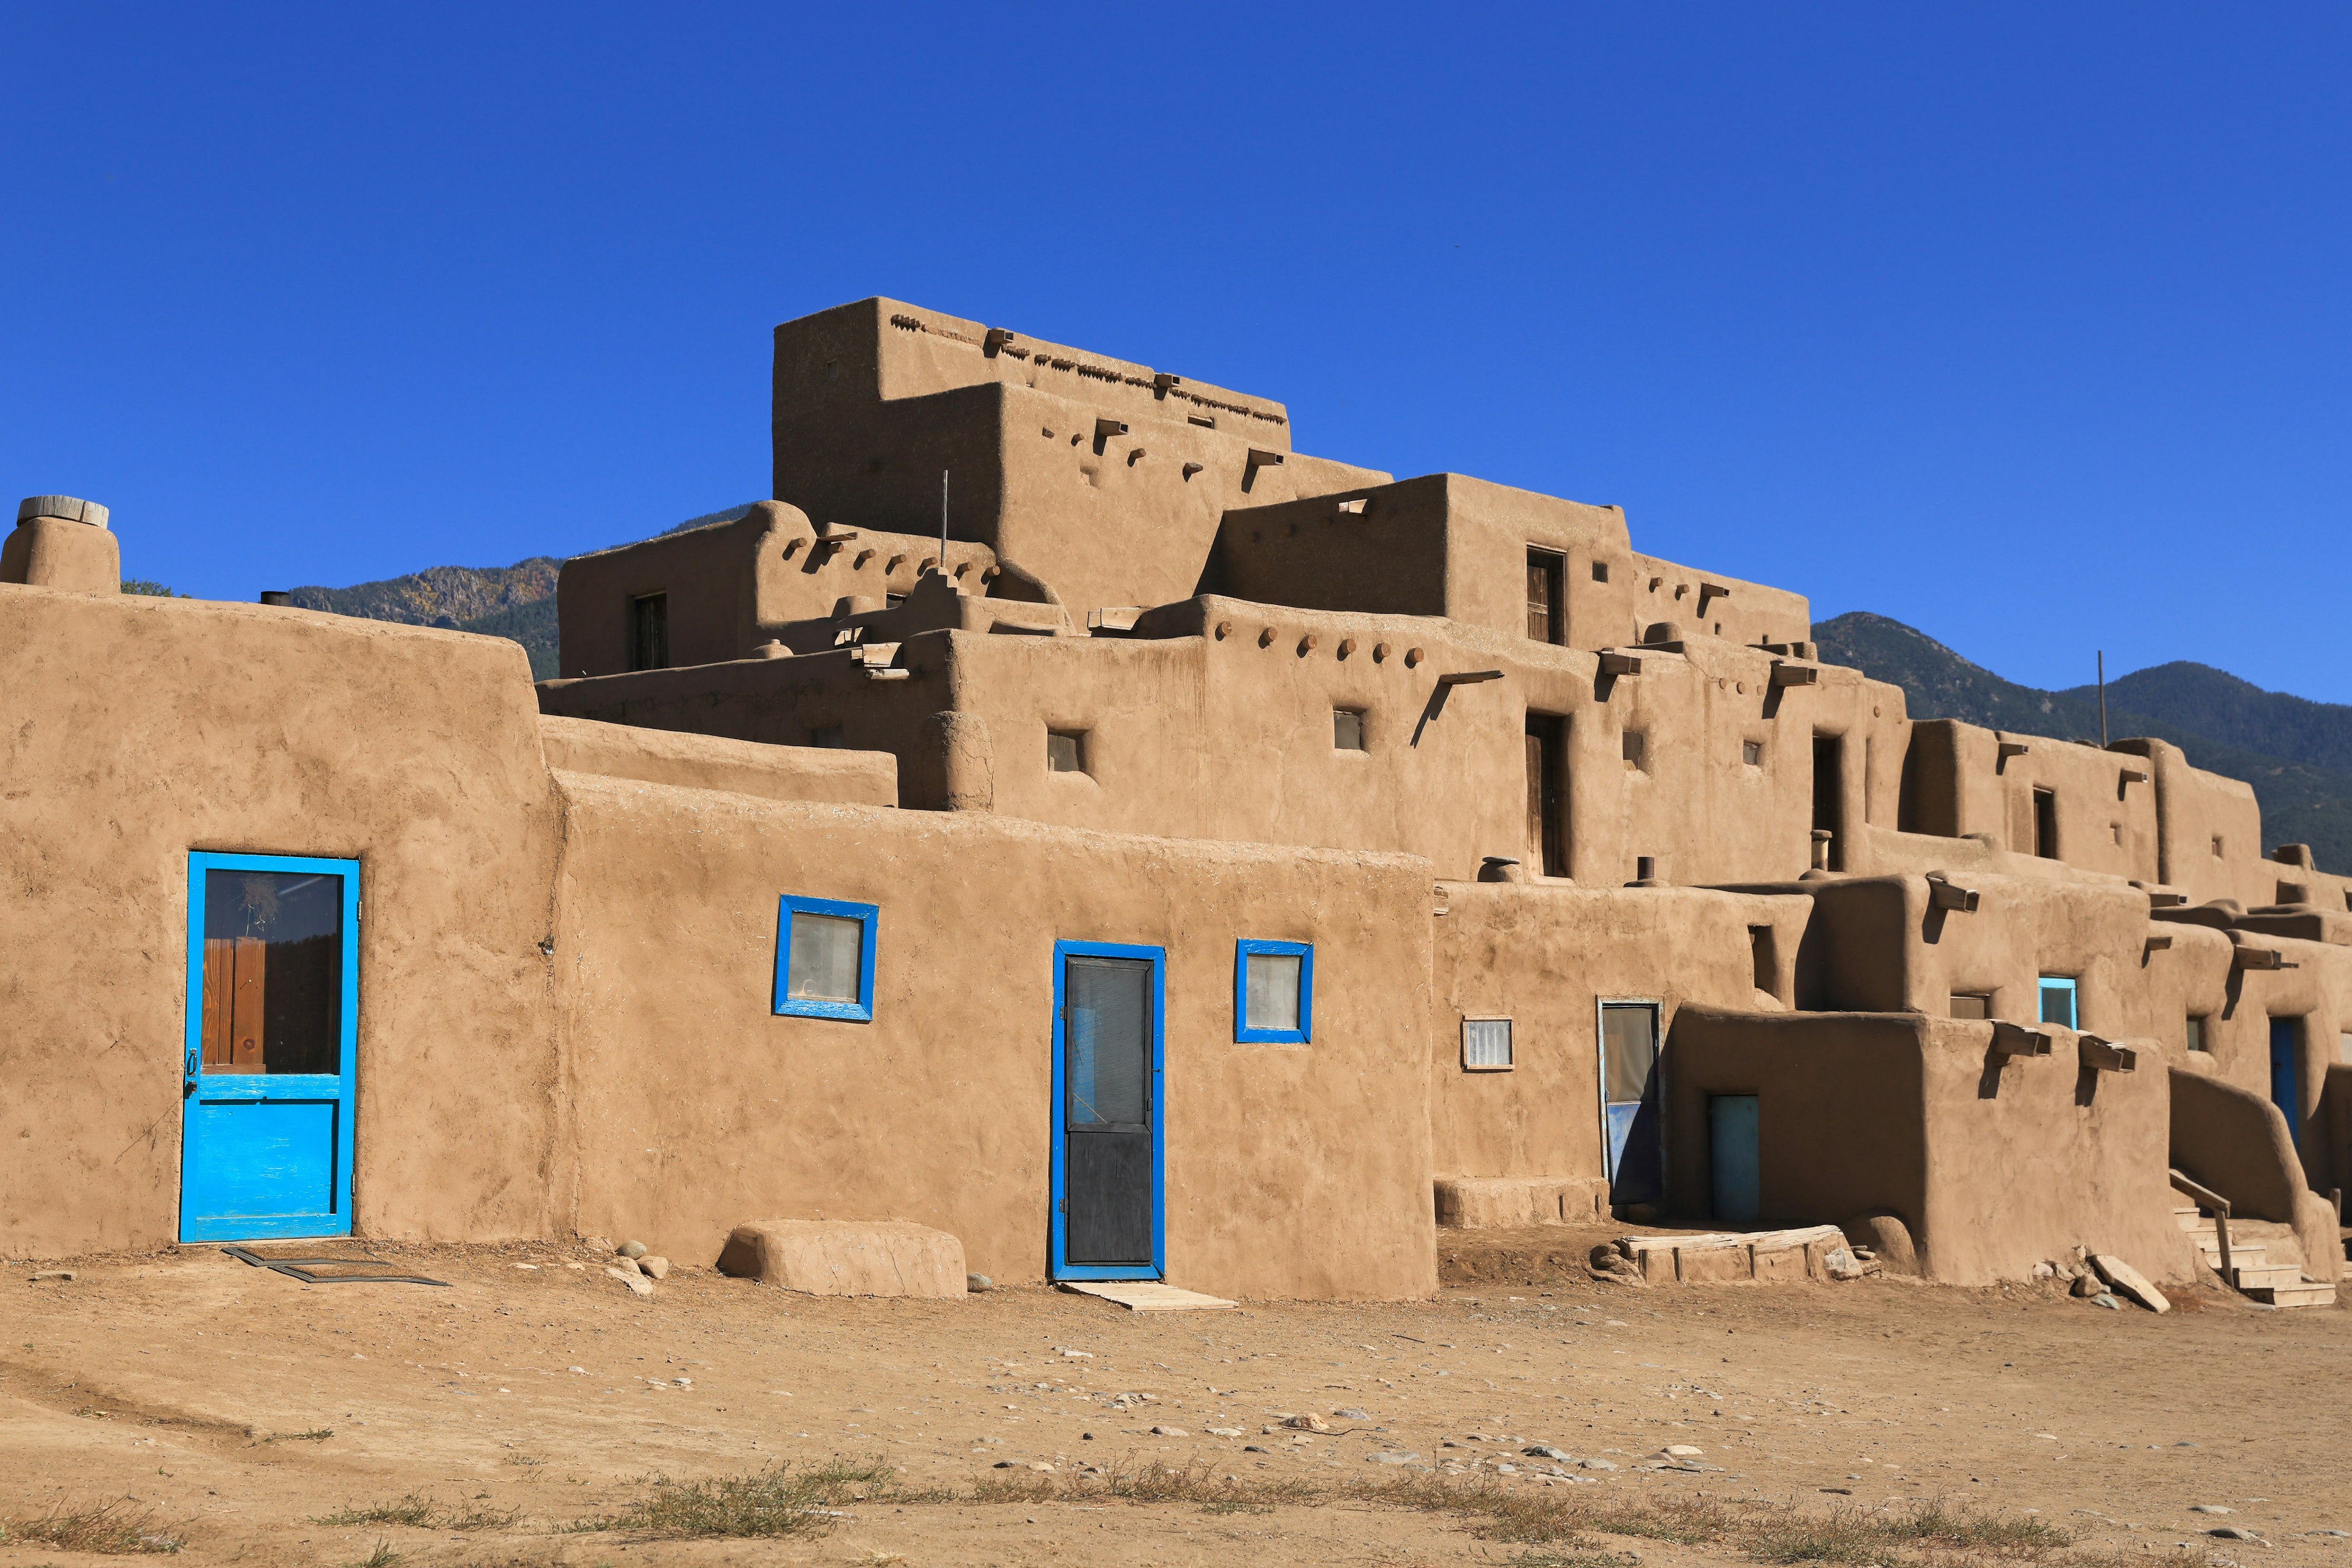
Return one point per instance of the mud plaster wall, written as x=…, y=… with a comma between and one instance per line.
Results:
x=140, y=729
x=1993, y=1167
x=1290, y=1170
x=1545, y=957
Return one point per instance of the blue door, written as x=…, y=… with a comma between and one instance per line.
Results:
x=2286, y=1078
x=1629, y=1101
x=1109, y=1200
x=267, y=1069
x=1735, y=1165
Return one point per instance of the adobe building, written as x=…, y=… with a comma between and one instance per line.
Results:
x=1071, y=817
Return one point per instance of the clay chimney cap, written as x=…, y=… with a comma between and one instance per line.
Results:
x=70, y=507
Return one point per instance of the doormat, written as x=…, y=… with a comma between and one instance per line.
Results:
x=1146, y=1295
x=305, y=1270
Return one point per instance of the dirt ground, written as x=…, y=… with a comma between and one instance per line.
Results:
x=230, y=1411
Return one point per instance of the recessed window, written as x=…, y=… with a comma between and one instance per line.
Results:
x=1347, y=728
x=1273, y=993
x=825, y=959
x=649, y=632
x=2196, y=1035
x=1065, y=751
x=2216, y=847
x=1601, y=571
x=2058, y=1002
x=2115, y=831
x=1546, y=591
x=1634, y=744
x=1752, y=753
x=1971, y=1003
x=826, y=735
x=2045, y=823
x=1486, y=1045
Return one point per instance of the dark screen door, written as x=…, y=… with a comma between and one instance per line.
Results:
x=1107, y=1111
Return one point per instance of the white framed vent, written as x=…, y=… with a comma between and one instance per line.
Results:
x=1485, y=1044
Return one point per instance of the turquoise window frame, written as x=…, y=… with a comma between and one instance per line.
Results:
x=2061, y=982
x=868, y=917
x=1303, y=1035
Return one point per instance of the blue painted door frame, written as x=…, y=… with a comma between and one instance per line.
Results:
x=2286, y=1075
x=268, y=1154
x=1057, y=1266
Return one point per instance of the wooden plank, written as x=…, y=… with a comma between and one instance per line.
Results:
x=1146, y=1295
x=219, y=977
x=245, y=1006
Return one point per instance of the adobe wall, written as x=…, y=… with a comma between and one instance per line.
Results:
x=1545, y=956
x=872, y=400
x=1961, y=779
x=1995, y=1164
x=2209, y=827
x=1298, y=1171
x=710, y=762
x=1448, y=544
x=144, y=728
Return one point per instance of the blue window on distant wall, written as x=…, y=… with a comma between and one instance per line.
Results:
x=1273, y=993
x=2058, y=1002
x=825, y=959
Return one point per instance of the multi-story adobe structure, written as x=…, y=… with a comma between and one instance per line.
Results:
x=1071, y=817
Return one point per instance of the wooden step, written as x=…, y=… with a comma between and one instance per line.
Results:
x=2308, y=1293
x=2276, y=1275
x=2239, y=1258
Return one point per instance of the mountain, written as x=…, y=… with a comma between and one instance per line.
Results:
x=2297, y=754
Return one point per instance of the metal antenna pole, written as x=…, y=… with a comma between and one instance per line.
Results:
x=2103, y=699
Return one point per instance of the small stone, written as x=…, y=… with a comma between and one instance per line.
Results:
x=598, y=1243
x=2086, y=1285
x=656, y=1267
x=633, y=1250
x=1393, y=1458
x=1169, y=1432
x=1253, y=1448
x=58, y=1276
x=1594, y=1465
x=1223, y=1431
x=2109, y=1302
x=627, y=1265
x=978, y=1283
x=2231, y=1532
x=1507, y=1469
x=1350, y=1413
x=637, y=1283
x=1005, y=1465
x=2339, y=1534
x=1843, y=1265
x=1543, y=1451
x=1310, y=1423
x=581, y=1370
x=681, y=1382
x=2045, y=1271
x=2209, y=1507
x=1840, y=1491
x=1040, y=1465
x=1681, y=1451
x=1079, y=1356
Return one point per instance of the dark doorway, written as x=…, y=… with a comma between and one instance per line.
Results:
x=1629, y=1101
x=1548, y=792
x=649, y=632
x=1829, y=796
x=1547, y=587
x=1107, y=1176
x=2286, y=1077
x=2045, y=823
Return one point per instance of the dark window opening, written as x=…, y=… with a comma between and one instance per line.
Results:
x=2196, y=1035
x=1548, y=792
x=1065, y=751
x=2045, y=823
x=1601, y=571
x=1766, y=952
x=1634, y=745
x=1752, y=753
x=649, y=632
x=1347, y=730
x=1829, y=796
x=1971, y=1003
x=1546, y=590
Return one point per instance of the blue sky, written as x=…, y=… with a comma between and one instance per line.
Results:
x=2030, y=326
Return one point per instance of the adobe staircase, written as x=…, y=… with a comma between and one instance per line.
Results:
x=2252, y=1271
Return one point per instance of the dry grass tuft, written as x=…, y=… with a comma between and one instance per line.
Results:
x=422, y=1513
x=108, y=1530
x=778, y=1501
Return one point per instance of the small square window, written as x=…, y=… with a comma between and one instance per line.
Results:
x=1601, y=571
x=1971, y=1004
x=1485, y=1044
x=2058, y=1002
x=1347, y=728
x=1273, y=993
x=1634, y=744
x=1752, y=753
x=2196, y=1035
x=1065, y=751
x=825, y=959
x=2115, y=830
x=2216, y=847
